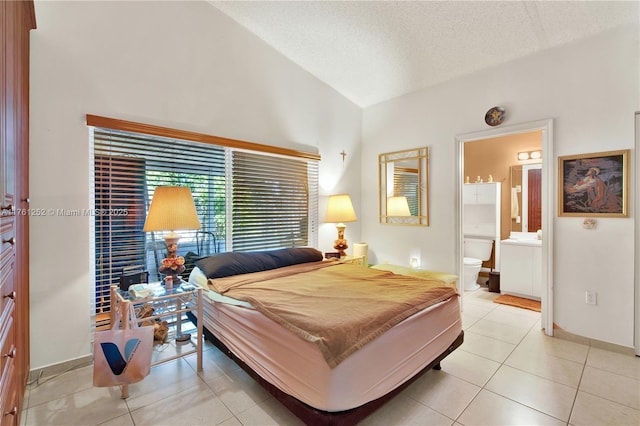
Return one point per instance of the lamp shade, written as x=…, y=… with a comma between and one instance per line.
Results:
x=398, y=206
x=172, y=208
x=340, y=209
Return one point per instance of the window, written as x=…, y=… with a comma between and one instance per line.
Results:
x=246, y=200
x=271, y=203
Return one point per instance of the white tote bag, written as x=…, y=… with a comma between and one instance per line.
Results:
x=122, y=356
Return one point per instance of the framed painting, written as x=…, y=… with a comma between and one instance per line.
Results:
x=594, y=184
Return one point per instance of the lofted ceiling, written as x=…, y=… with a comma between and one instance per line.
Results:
x=372, y=51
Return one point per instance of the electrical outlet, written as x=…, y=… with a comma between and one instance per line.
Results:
x=591, y=298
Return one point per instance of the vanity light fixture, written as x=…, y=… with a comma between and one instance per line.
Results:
x=529, y=155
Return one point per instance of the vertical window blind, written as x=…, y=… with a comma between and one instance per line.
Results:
x=245, y=200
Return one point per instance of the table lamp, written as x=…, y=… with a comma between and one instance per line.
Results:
x=172, y=208
x=340, y=210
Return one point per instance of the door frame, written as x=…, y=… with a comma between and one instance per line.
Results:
x=548, y=205
x=634, y=178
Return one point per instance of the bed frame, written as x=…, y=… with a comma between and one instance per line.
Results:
x=313, y=416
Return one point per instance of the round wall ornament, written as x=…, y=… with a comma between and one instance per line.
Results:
x=494, y=116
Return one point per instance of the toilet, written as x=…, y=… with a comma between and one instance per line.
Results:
x=475, y=252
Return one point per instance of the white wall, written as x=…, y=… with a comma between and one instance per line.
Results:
x=187, y=66
x=176, y=64
x=591, y=90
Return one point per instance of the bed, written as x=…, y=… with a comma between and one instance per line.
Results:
x=365, y=335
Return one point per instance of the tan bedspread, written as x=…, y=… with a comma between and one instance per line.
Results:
x=339, y=307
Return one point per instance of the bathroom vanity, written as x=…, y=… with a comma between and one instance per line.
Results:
x=521, y=266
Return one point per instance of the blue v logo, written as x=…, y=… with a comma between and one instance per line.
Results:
x=114, y=358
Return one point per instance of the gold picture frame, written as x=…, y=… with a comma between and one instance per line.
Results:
x=594, y=184
x=404, y=175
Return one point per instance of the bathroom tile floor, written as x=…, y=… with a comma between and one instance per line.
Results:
x=507, y=372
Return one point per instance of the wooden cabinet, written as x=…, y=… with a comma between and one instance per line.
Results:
x=521, y=269
x=8, y=388
x=17, y=18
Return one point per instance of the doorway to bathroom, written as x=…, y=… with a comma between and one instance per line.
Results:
x=490, y=155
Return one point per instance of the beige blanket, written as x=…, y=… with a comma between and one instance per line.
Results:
x=338, y=307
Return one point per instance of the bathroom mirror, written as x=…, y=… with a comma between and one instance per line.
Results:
x=402, y=187
x=526, y=197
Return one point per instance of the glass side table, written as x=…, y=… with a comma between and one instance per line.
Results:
x=166, y=303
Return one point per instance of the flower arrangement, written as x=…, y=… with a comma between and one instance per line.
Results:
x=172, y=265
x=175, y=264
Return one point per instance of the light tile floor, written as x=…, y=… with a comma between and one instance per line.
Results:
x=507, y=372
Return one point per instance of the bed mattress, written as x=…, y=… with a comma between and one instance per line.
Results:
x=298, y=368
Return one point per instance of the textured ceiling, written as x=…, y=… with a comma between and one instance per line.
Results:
x=373, y=51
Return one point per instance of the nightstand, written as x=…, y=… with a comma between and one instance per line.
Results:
x=360, y=260
x=447, y=279
x=166, y=304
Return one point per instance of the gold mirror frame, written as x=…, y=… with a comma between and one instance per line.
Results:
x=404, y=174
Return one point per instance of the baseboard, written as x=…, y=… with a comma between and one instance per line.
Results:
x=55, y=369
x=565, y=335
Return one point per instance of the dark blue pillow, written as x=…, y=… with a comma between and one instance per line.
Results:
x=293, y=256
x=235, y=263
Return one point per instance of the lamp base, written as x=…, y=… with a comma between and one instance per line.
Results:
x=172, y=265
x=341, y=243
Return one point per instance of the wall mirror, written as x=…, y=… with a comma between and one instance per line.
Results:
x=526, y=197
x=403, y=187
